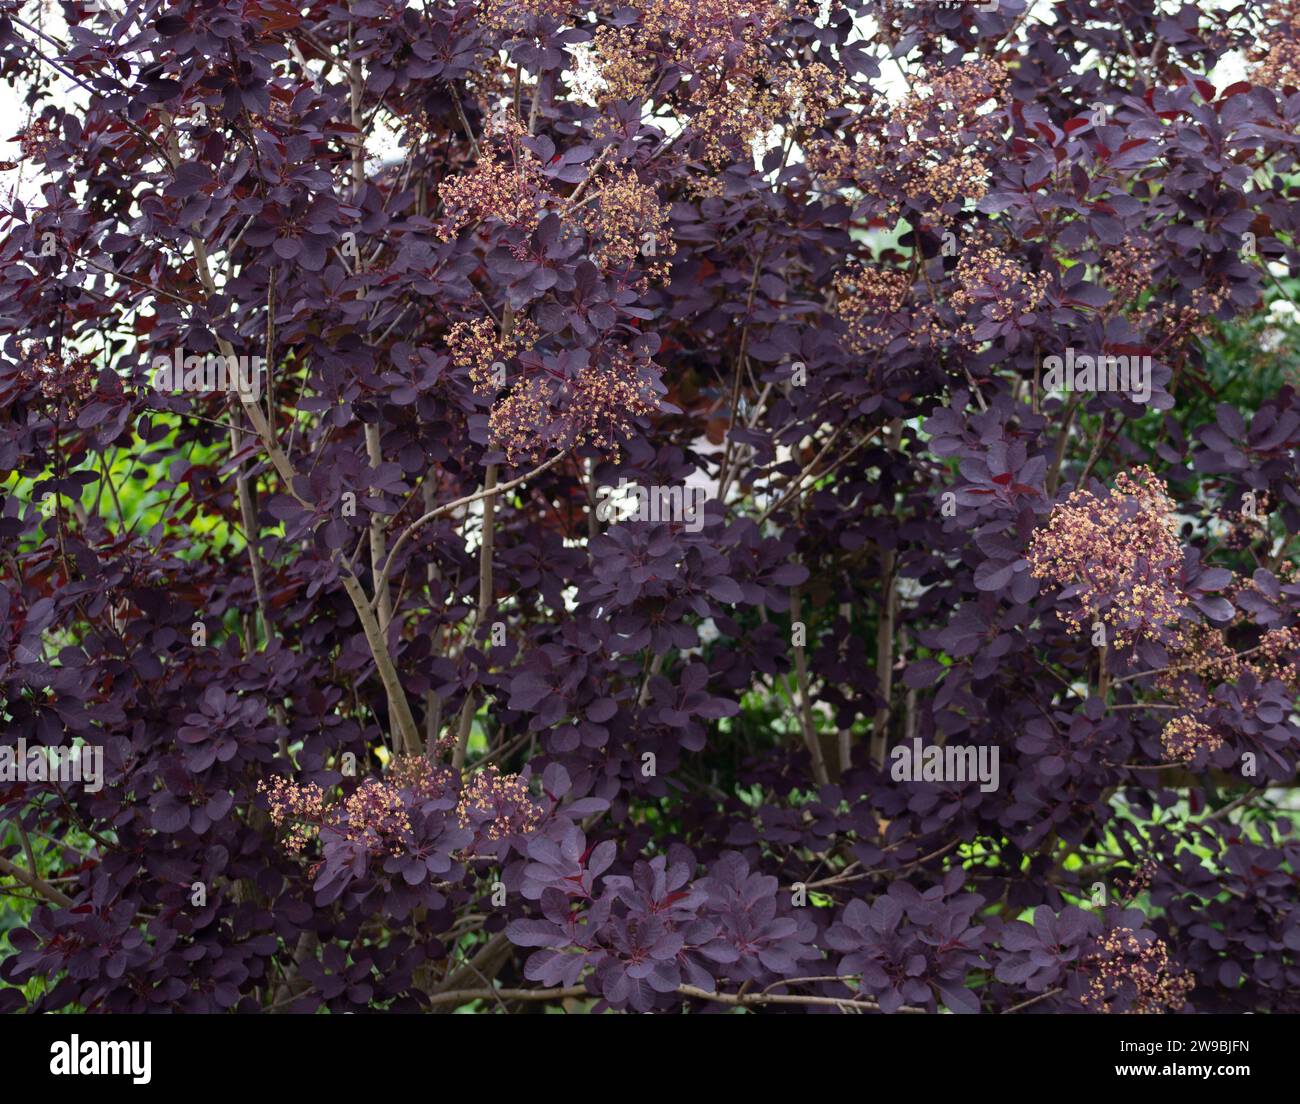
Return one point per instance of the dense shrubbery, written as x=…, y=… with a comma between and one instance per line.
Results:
x=395, y=712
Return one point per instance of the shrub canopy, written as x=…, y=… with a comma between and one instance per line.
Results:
x=394, y=702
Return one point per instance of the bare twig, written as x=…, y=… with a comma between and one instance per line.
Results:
x=804, y=705
x=480, y=614
x=450, y=507
x=35, y=882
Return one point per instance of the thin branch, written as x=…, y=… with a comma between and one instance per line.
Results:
x=740, y=1000
x=752, y=1000
x=1032, y=1000
x=449, y=507
x=804, y=706
x=39, y=884
x=480, y=614
x=464, y=996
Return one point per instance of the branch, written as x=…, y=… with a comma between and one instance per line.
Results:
x=39, y=884
x=464, y=996
x=884, y=658
x=480, y=614
x=724, y=473
x=796, y=487
x=810, y=736
x=1032, y=1000
x=375, y=638
x=447, y=508
x=409, y=735
x=748, y=1000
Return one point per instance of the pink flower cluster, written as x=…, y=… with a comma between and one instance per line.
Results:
x=1118, y=556
x=378, y=812
x=498, y=805
x=1134, y=966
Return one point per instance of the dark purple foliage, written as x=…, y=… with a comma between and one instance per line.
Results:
x=659, y=752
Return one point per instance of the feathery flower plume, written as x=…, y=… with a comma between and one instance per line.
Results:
x=1185, y=737
x=1278, y=56
x=1118, y=557
x=940, y=124
x=498, y=805
x=1134, y=969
